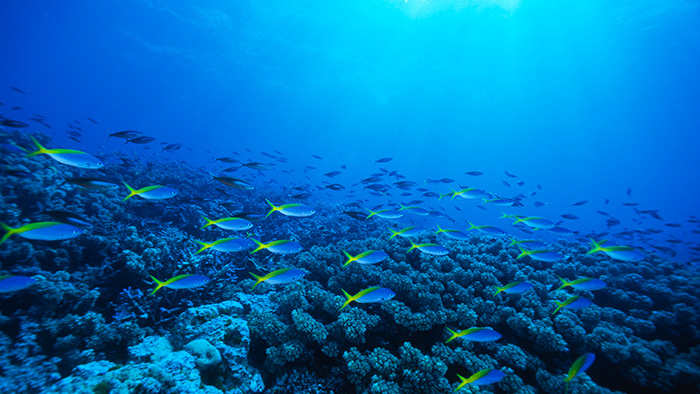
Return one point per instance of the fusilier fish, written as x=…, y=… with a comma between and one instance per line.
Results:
x=481, y=378
x=43, y=231
x=232, y=223
x=370, y=295
x=10, y=283
x=475, y=334
x=69, y=157
x=281, y=276
x=367, y=257
x=187, y=281
x=156, y=192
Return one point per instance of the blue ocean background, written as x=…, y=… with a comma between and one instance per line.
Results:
x=592, y=101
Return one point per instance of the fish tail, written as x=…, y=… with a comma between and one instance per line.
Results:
x=132, y=191
x=272, y=209
x=413, y=246
x=350, y=258
x=440, y=230
x=348, y=301
x=498, y=290
x=260, y=247
x=402, y=207
x=471, y=225
x=158, y=283
x=461, y=377
x=393, y=233
x=209, y=221
x=523, y=252
x=371, y=213
x=39, y=149
x=9, y=230
x=560, y=304
x=258, y=279
x=453, y=332
x=204, y=247
x=564, y=284
x=596, y=247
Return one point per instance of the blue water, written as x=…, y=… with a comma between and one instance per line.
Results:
x=592, y=100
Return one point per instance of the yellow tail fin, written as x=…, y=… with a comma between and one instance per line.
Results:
x=158, y=283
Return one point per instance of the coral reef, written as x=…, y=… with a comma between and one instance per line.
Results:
x=90, y=325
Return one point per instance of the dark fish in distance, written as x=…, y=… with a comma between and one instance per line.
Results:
x=474, y=173
x=75, y=139
x=233, y=182
x=17, y=90
x=612, y=222
x=251, y=216
x=171, y=147
x=664, y=249
x=92, y=120
x=228, y=160
x=16, y=108
x=569, y=216
x=13, y=123
x=231, y=205
x=384, y=160
x=334, y=186
x=301, y=196
x=92, y=183
x=540, y=203
x=520, y=183
x=332, y=174
x=506, y=183
x=510, y=175
x=356, y=215
x=317, y=157
x=673, y=225
x=140, y=140
x=603, y=213
x=18, y=173
x=256, y=166
x=577, y=203
x=629, y=191
x=64, y=217
x=630, y=204
x=125, y=134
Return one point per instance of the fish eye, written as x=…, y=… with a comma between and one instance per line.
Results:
x=76, y=231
